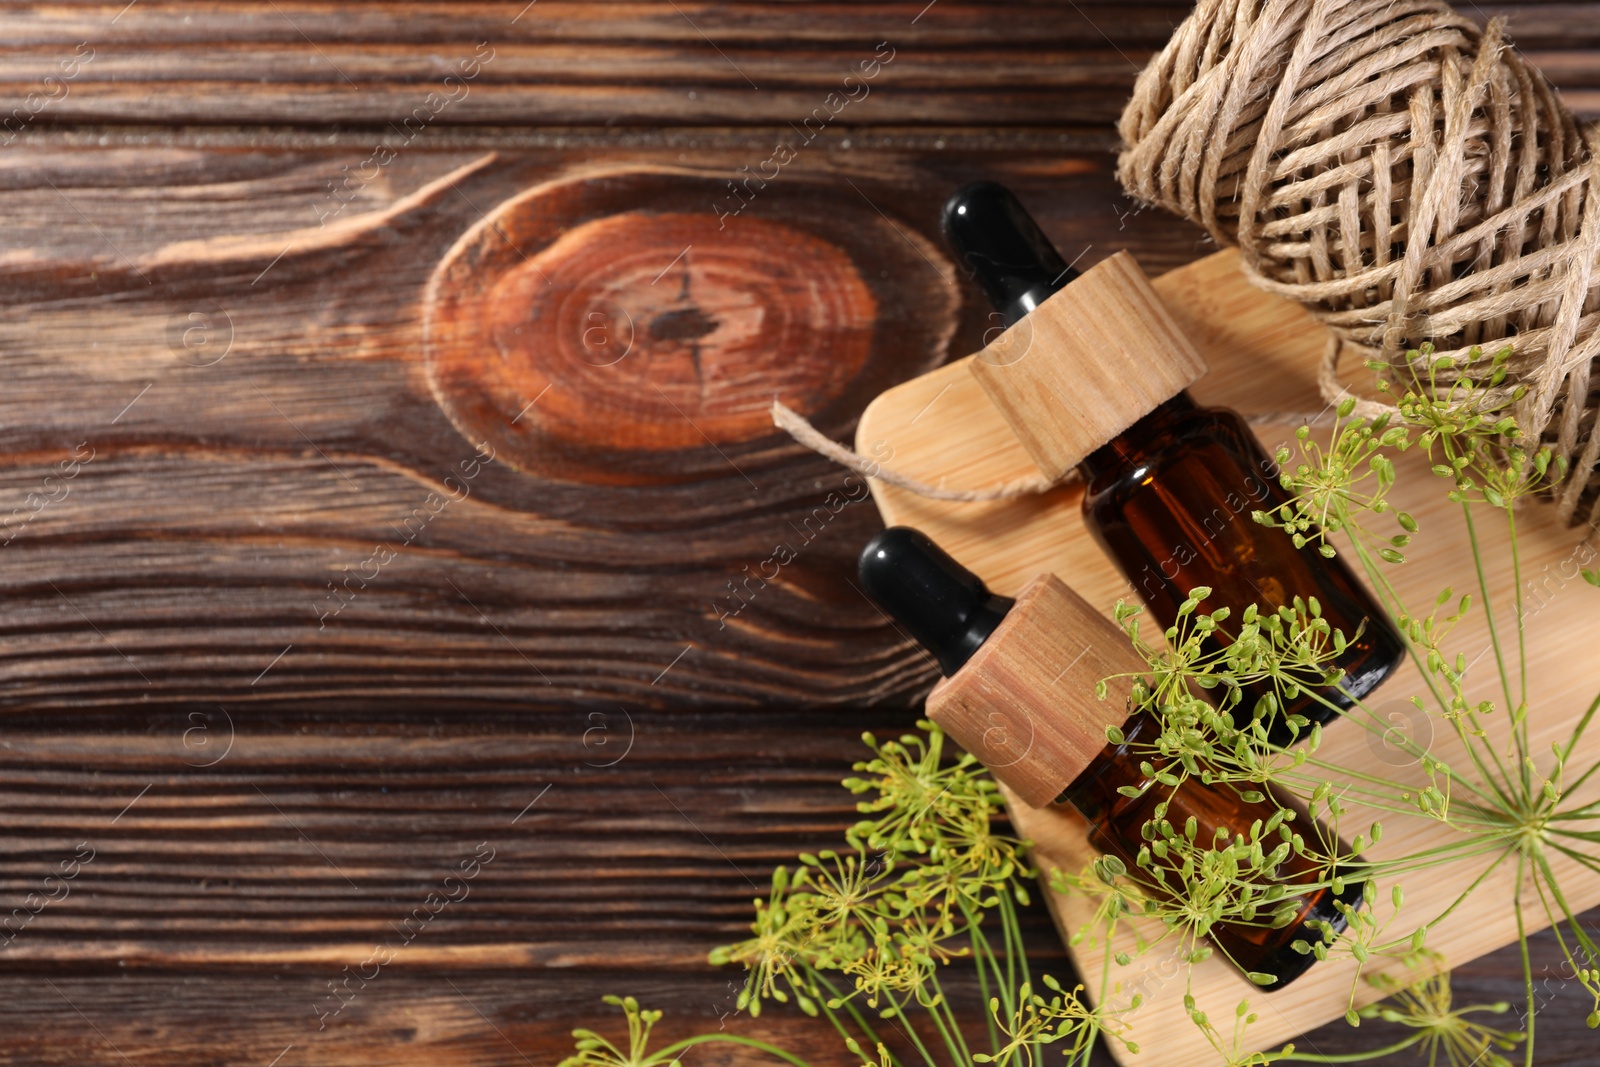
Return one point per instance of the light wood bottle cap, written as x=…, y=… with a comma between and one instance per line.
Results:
x=1025, y=703
x=1096, y=357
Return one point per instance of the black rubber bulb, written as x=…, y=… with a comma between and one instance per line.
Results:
x=944, y=606
x=1003, y=249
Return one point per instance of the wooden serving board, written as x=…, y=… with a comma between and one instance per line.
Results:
x=1263, y=353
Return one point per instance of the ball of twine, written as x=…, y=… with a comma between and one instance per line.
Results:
x=1405, y=175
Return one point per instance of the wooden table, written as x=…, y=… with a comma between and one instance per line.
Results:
x=284, y=646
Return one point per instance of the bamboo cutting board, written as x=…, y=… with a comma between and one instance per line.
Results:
x=1263, y=353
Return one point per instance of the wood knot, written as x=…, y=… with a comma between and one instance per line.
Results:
x=611, y=329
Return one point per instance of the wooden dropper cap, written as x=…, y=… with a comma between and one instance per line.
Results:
x=1083, y=357
x=1021, y=675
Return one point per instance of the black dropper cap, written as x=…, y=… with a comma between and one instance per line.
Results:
x=1003, y=249
x=946, y=607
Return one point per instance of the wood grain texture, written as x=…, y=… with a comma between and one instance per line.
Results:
x=277, y=850
x=1263, y=352
x=262, y=463
x=230, y=839
x=150, y=194
x=316, y=497
x=630, y=63
x=489, y=1019
x=615, y=881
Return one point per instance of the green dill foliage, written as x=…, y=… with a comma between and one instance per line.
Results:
x=1427, y=1007
x=859, y=937
x=1193, y=687
x=1507, y=807
x=595, y=1050
x=1441, y=1033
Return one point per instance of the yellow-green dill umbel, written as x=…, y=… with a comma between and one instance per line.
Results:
x=927, y=880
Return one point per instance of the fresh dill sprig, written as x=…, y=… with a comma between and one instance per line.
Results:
x=860, y=935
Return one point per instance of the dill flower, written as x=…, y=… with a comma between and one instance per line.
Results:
x=1443, y=1029
x=593, y=1050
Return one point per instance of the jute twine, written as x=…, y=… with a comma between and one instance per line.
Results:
x=1405, y=176
x=799, y=427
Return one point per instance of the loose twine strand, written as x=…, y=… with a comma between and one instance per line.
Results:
x=1405, y=176
x=799, y=428
x=802, y=431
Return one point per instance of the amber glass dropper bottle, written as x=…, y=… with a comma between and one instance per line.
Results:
x=1091, y=372
x=1019, y=694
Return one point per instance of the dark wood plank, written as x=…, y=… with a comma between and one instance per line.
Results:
x=624, y=839
x=226, y=438
x=306, y=64
x=274, y=855
x=149, y=603
x=220, y=894
x=414, y=1017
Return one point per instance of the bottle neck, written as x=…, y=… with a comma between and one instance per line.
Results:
x=947, y=609
x=1003, y=249
x=1132, y=444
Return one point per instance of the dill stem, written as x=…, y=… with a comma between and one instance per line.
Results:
x=1555, y=893
x=1579, y=935
x=1467, y=892
x=1579, y=858
x=849, y=1006
x=909, y=1029
x=1433, y=857
x=1488, y=611
x=948, y=1028
x=1577, y=733
x=1014, y=948
x=1002, y=985
x=1396, y=608
x=1008, y=920
x=983, y=979
x=1105, y=976
x=667, y=1053
x=1527, y=965
x=1350, y=1057
x=1011, y=961
x=1516, y=578
x=1469, y=741
x=1392, y=603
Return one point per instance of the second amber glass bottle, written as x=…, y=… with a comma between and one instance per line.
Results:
x=1019, y=694
x=1091, y=372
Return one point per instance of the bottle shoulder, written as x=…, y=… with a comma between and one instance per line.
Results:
x=1202, y=437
